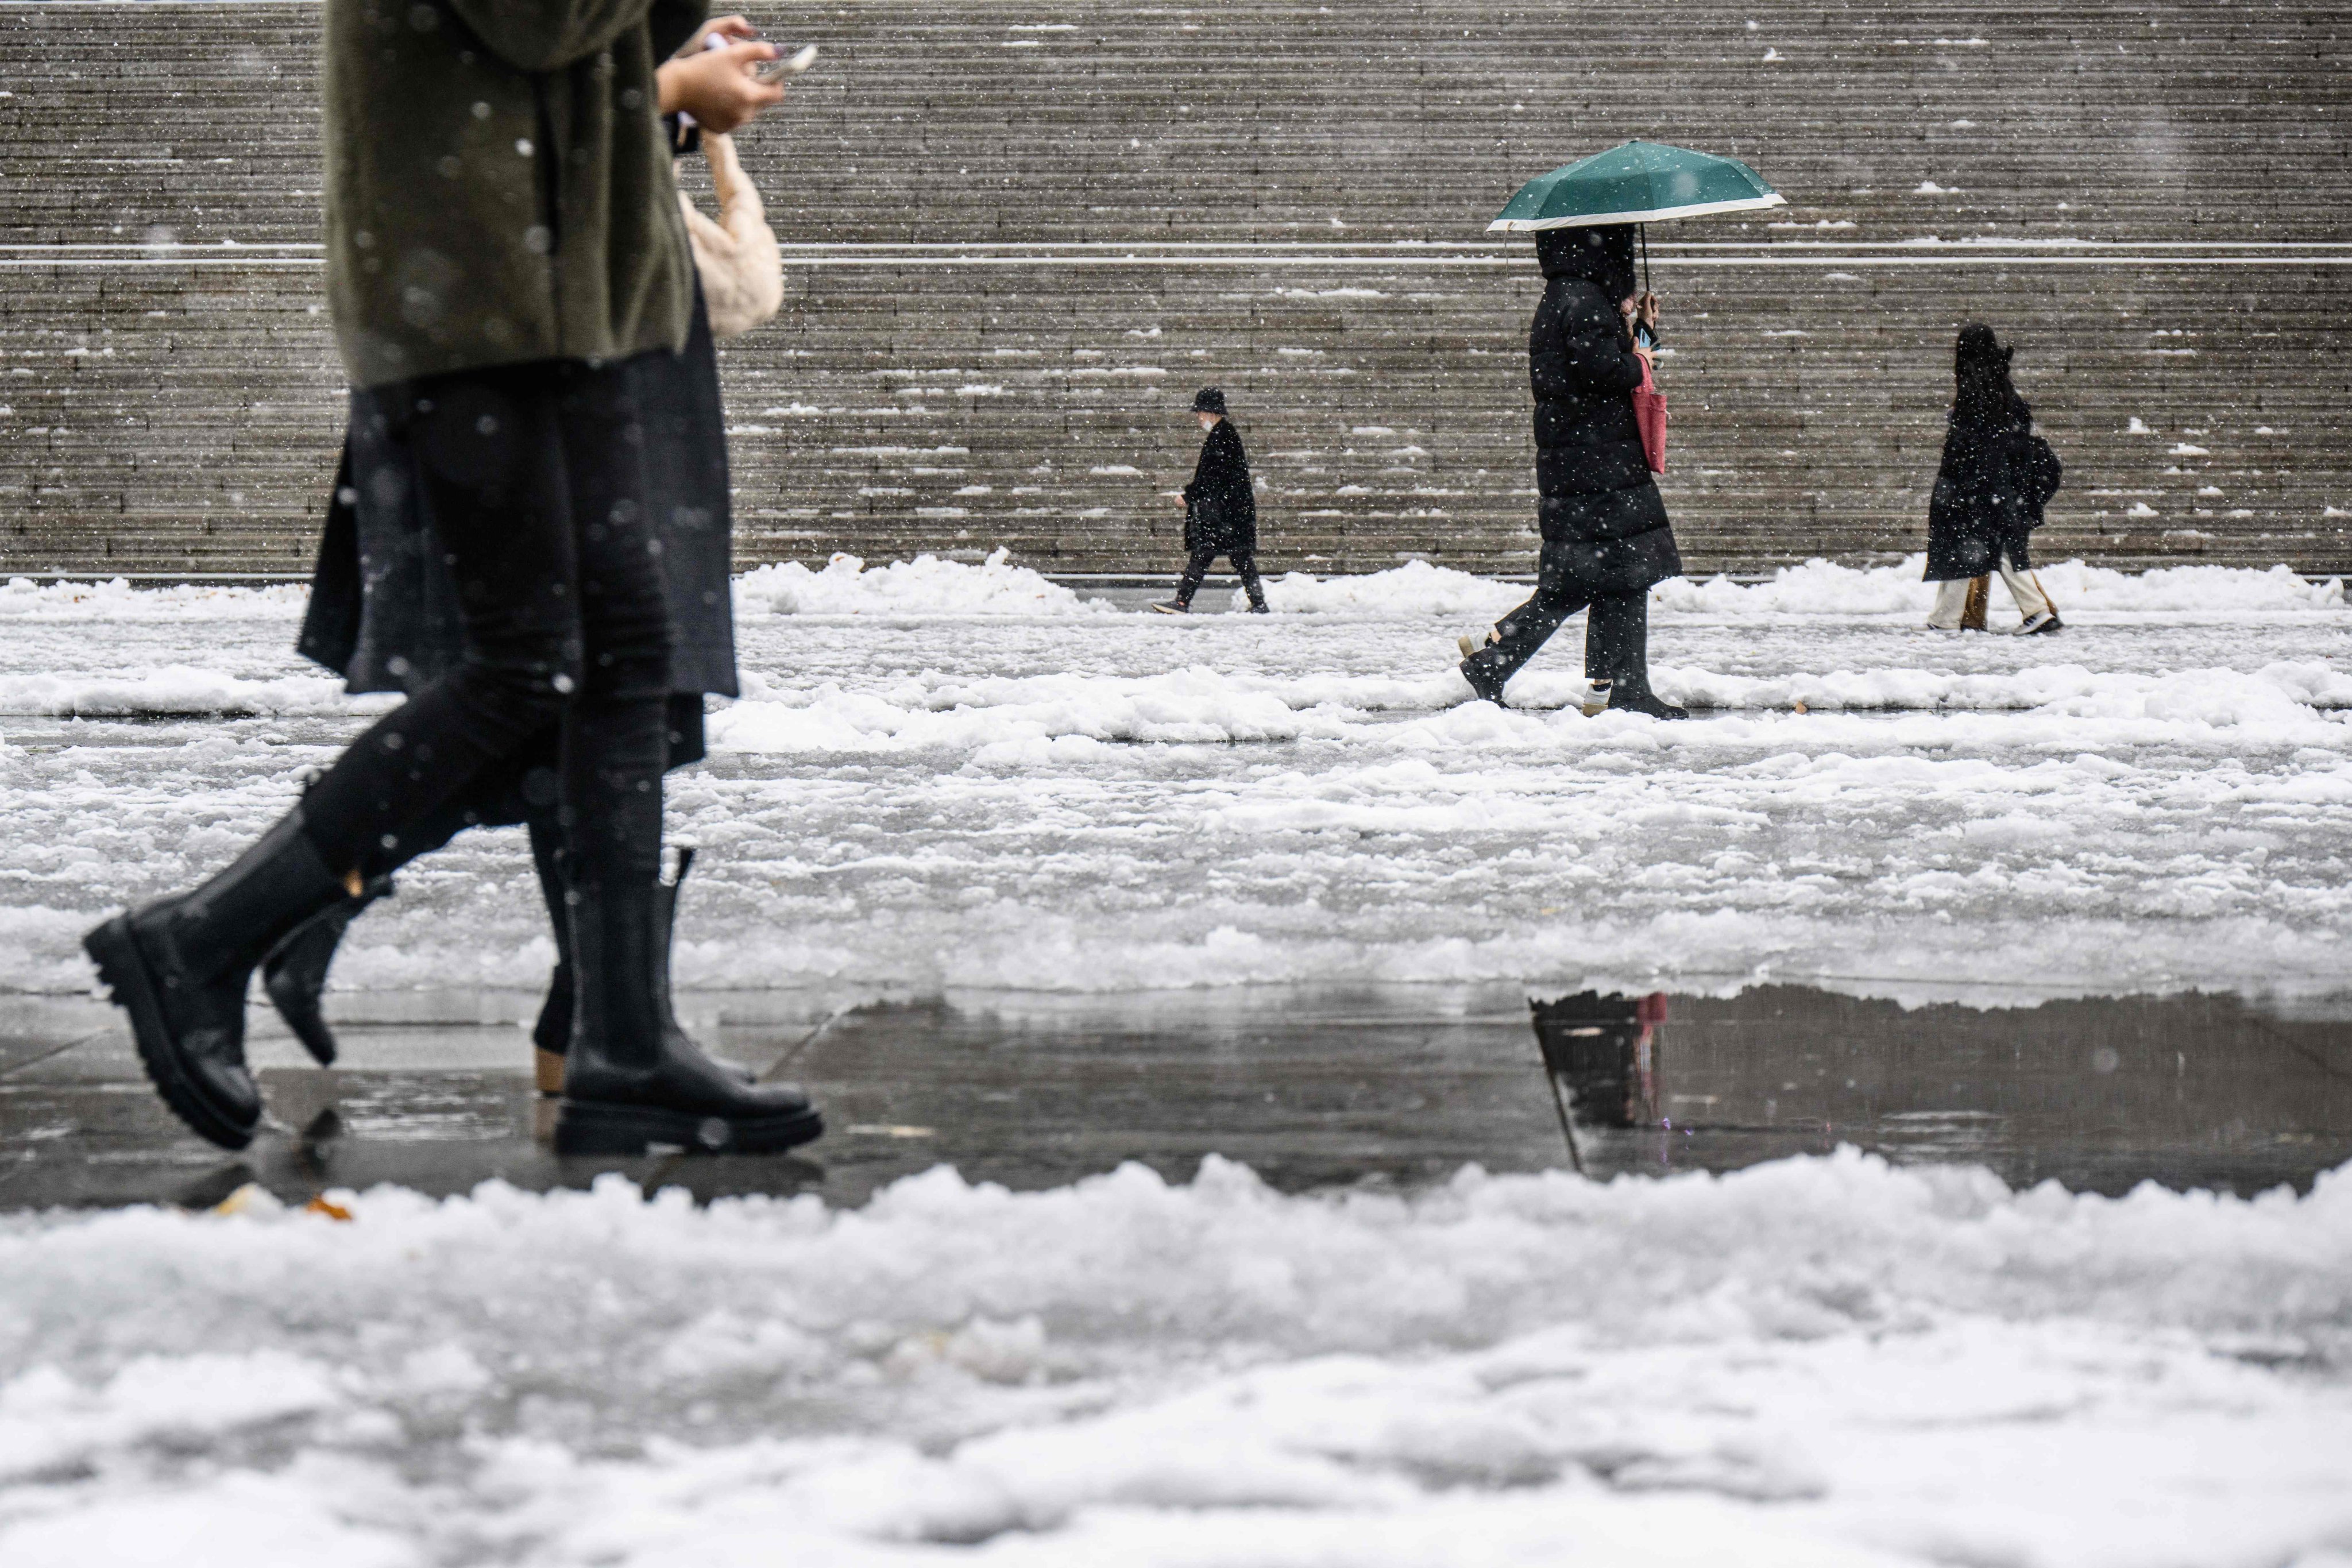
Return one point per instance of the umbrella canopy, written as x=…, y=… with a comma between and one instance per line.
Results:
x=1641, y=182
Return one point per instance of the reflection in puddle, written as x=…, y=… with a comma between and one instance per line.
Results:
x=2101, y=1093
x=1310, y=1086
x=1600, y=1054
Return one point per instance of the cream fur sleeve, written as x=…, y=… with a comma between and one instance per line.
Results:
x=742, y=273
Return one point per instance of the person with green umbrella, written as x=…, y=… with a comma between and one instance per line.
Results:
x=1606, y=537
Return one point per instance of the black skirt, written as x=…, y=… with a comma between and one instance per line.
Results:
x=383, y=610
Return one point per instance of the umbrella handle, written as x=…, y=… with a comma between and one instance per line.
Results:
x=1643, y=230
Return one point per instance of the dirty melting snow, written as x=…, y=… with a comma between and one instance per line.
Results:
x=1818, y=1362
x=946, y=775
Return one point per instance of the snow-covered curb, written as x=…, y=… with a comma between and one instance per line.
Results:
x=1821, y=1361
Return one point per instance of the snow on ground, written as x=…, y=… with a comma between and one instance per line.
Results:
x=946, y=775
x=949, y=775
x=1817, y=588
x=1818, y=1362
x=925, y=586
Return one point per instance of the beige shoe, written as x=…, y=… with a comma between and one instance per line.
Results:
x=548, y=1067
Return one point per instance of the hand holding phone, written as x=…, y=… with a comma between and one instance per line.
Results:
x=776, y=70
x=722, y=87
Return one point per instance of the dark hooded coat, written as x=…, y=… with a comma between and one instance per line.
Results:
x=1220, y=507
x=1600, y=505
x=1996, y=475
x=383, y=608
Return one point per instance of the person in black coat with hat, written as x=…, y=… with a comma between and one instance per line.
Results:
x=1996, y=478
x=1606, y=538
x=1220, y=509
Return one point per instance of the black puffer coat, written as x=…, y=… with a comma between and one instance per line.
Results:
x=1600, y=504
x=383, y=610
x=1220, y=507
x=1995, y=479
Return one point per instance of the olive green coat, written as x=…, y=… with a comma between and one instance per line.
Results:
x=498, y=185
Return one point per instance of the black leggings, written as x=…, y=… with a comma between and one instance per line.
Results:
x=526, y=789
x=1197, y=567
x=1616, y=633
x=535, y=478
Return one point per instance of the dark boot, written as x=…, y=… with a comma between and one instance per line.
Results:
x=1625, y=698
x=1617, y=649
x=1487, y=675
x=179, y=967
x=631, y=1079
x=1518, y=635
x=665, y=935
x=551, y=1037
x=295, y=973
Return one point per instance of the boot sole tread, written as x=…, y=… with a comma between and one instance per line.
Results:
x=589, y=1127
x=124, y=970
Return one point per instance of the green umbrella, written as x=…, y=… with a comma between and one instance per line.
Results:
x=1641, y=182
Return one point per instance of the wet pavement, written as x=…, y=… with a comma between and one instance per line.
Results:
x=1398, y=1086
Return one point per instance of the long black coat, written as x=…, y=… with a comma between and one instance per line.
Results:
x=383, y=611
x=1600, y=504
x=1990, y=489
x=1220, y=507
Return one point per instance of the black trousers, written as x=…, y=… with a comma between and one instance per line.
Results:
x=1616, y=633
x=1197, y=567
x=536, y=479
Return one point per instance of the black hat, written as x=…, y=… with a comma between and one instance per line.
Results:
x=1209, y=400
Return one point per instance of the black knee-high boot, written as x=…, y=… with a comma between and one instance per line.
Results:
x=552, y=1035
x=294, y=972
x=632, y=1080
x=179, y=967
x=1617, y=642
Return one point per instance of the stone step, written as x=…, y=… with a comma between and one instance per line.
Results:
x=200, y=418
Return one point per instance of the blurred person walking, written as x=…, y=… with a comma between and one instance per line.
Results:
x=1996, y=478
x=1606, y=536
x=503, y=241
x=1220, y=509
x=396, y=627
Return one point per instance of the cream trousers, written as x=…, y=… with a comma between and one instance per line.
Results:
x=1951, y=611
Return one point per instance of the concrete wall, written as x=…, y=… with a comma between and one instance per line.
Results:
x=1021, y=234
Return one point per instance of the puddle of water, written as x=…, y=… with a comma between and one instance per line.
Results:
x=1313, y=1087
x=2096, y=1092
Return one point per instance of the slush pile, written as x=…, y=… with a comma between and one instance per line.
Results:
x=952, y=776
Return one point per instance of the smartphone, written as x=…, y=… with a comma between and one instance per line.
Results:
x=776, y=70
